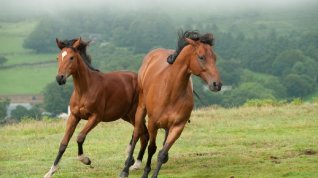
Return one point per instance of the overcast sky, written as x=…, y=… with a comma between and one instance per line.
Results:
x=18, y=6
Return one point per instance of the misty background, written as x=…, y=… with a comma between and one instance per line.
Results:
x=267, y=50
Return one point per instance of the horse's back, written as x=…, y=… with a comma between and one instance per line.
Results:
x=120, y=91
x=153, y=65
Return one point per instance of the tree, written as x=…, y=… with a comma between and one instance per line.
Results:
x=298, y=85
x=21, y=112
x=244, y=92
x=285, y=61
x=3, y=60
x=3, y=109
x=56, y=98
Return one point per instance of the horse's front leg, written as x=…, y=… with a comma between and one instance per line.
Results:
x=91, y=123
x=174, y=133
x=72, y=122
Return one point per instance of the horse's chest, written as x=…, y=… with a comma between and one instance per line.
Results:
x=81, y=111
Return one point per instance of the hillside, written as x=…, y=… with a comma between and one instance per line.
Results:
x=25, y=72
x=263, y=53
x=241, y=142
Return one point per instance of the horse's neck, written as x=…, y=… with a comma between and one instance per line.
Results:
x=180, y=74
x=82, y=78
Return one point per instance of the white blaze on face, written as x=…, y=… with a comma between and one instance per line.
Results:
x=64, y=53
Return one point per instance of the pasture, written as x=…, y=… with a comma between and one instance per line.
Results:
x=25, y=72
x=266, y=141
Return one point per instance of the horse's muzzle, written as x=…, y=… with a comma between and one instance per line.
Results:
x=215, y=86
x=61, y=79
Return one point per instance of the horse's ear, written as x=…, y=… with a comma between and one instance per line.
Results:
x=77, y=43
x=60, y=44
x=191, y=42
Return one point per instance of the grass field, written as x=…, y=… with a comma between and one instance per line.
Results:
x=26, y=79
x=240, y=142
x=12, y=35
x=19, y=79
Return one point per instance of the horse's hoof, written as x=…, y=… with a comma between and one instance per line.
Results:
x=123, y=174
x=51, y=172
x=135, y=166
x=85, y=160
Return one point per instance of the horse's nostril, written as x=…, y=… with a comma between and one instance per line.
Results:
x=62, y=76
x=214, y=84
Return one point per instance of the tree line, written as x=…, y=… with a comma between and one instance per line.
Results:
x=254, y=65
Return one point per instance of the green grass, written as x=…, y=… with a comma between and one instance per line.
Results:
x=12, y=35
x=312, y=97
x=27, y=79
x=240, y=142
x=29, y=58
x=23, y=79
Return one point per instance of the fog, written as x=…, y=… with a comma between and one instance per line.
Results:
x=40, y=7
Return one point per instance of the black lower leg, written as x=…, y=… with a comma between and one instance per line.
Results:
x=164, y=142
x=80, y=141
x=151, y=152
x=162, y=156
x=144, y=146
x=141, y=154
x=130, y=161
x=60, y=154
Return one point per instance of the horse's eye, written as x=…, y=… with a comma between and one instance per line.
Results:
x=71, y=58
x=201, y=58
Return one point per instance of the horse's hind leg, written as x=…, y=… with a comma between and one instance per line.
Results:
x=91, y=123
x=143, y=145
x=138, y=129
x=72, y=122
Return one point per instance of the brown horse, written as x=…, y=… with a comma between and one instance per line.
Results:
x=97, y=97
x=166, y=93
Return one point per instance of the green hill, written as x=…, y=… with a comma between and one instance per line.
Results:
x=278, y=46
x=25, y=72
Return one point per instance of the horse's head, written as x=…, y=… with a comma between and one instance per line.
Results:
x=203, y=61
x=67, y=59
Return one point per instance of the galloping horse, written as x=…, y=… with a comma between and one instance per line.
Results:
x=166, y=93
x=97, y=97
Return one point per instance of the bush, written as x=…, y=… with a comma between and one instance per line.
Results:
x=21, y=112
x=3, y=60
x=264, y=102
x=56, y=98
x=3, y=109
x=297, y=101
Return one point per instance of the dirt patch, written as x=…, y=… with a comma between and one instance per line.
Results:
x=275, y=159
x=309, y=152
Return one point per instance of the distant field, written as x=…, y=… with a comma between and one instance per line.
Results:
x=29, y=58
x=262, y=142
x=13, y=34
x=19, y=79
x=26, y=80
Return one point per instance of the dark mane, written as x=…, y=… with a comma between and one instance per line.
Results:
x=193, y=35
x=82, y=51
